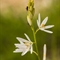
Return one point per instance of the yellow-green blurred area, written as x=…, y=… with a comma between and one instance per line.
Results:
x=13, y=23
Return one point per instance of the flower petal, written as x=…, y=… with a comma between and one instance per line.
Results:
x=39, y=18
x=44, y=52
x=18, y=50
x=21, y=39
x=24, y=52
x=27, y=36
x=20, y=46
x=38, y=21
x=49, y=26
x=31, y=50
x=46, y=31
x=44, y=21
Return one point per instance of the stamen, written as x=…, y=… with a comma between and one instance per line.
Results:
x=42, y=25
x=27, y=44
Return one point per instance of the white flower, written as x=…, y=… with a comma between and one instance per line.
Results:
x=42, y=25
x=24, y=46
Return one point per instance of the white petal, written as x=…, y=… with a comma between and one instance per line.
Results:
x=20, y=46
x=38, y=21
x=18, y=50
x=31, y=50
x=44, y=21
x=38, y=24
x=27, y=37
x=21, y=39
x=39, y=18
x=24, y=52
x=17, y=45
x=44, y=52
x=49, y=26
x=46, y=31
x=44, y=49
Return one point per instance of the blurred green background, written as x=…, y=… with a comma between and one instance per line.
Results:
x=13, y=23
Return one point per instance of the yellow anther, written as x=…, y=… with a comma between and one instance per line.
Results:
x=42, y=25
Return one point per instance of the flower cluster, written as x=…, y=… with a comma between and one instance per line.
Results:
x=26, y=45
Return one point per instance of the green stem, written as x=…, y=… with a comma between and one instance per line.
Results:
x=31, y=11
x=35, y=42
x=37, y=30
x=35, y=53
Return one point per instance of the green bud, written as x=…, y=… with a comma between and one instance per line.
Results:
x=31, y=11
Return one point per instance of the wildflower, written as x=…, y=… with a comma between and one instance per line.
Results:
x=24, y=46
x=42, y=25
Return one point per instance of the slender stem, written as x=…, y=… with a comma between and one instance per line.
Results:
x=31, y=11
x=35, y=53
x=37, y=30
x=35, y=42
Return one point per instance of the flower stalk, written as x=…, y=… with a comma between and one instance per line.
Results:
x=30, y=15
x=30, y=10
x=35, y=42
x=26, y=45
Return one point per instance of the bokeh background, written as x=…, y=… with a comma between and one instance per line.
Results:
x=13, y=23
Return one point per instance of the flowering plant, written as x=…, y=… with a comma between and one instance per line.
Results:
x=26, y=45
